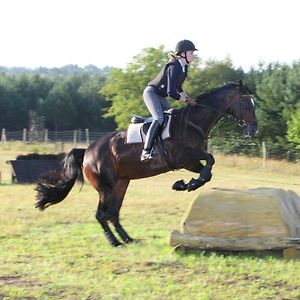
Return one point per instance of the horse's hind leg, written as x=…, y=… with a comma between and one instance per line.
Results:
x=109, y=209
x=102, y=215
x=118, y=196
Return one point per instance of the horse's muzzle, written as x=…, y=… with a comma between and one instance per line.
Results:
x=250, y=130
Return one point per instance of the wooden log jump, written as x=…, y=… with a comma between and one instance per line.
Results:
x=241, y=220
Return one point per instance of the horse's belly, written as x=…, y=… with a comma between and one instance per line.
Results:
x=137, y=169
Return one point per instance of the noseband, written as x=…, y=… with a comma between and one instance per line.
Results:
x=243, y=106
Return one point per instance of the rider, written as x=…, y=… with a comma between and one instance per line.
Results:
x=167, y=83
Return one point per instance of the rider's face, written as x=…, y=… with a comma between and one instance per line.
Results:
x=190, y=55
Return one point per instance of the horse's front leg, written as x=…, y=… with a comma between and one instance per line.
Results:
x=205, y=173
x=194, y=167
x=197, y=167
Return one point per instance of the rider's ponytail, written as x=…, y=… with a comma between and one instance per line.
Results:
x=172, y=56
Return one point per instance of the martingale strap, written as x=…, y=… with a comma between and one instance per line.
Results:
x=197, y=128
x=188, y=122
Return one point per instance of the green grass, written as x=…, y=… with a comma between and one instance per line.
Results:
x=61, y=253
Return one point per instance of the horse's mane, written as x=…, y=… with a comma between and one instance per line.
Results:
x=207, y=95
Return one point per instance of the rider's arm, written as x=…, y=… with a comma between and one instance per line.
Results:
x=174, y=89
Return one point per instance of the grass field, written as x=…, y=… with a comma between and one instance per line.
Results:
x=62, y=254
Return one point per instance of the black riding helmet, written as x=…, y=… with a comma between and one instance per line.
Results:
x=183, y=46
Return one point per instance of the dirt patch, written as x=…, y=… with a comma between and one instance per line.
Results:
x=17, y=281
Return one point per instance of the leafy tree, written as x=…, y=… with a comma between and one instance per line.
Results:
x=4, y=100
x=66, y=102
x=291, y=109
x=124, y=88
x=214, y=74
x=271, y=92
x=277, y=101
x=15, y=114
x=58, y=107
x=91, y=106
x=74, y=102
x=293, y=133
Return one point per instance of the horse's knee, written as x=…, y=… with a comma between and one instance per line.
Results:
x=105, y=216
x=101, y=217
x=206, y=174
x=210, y=159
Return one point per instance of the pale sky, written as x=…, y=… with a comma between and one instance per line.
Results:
x=54, y=33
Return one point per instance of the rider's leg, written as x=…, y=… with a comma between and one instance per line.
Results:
x=149, y=141
x=154, y=104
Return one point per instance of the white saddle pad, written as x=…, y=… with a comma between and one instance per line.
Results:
x=135, y=133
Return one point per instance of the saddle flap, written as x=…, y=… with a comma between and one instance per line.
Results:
x=136, y=132
x=135, y=119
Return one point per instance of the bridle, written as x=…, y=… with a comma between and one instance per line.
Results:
x=241, y=122
x=242, y=106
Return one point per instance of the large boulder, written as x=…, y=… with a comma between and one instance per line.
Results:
x=241, y=220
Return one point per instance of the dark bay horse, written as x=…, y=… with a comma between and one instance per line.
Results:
x=110, y=163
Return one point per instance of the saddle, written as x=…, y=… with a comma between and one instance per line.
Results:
x=139, y=126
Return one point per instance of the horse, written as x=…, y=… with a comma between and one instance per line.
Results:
x=110, y=163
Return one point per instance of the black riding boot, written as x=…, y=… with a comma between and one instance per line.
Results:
x=150, y=138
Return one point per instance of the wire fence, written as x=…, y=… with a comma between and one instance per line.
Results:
x=229, y=145
x=80, y=136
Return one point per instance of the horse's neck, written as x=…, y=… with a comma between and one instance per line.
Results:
x=205, y=117
x=209, y=111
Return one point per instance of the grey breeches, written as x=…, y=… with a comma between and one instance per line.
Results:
x=155, y=104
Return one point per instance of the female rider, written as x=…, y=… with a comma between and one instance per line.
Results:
x=167, y=83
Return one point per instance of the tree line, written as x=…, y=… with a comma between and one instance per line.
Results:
x=105, y=100
x=66, y=102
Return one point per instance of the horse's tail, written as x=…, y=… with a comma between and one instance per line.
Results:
x=53, y=187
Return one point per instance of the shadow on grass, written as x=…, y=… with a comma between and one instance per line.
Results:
x=267, y=254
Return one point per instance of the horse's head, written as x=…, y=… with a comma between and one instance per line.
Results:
x=243, y=109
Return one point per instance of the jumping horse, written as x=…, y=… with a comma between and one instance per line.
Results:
x=110, y=163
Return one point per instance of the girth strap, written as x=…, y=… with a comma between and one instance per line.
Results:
x=165, y=153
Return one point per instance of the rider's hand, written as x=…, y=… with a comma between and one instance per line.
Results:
x=183, y=98
x=191, y=101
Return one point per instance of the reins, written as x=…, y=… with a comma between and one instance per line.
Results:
x=198, y=128
x=240, y=122
x=227, y=116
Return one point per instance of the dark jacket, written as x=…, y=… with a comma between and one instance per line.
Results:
x=170, y=79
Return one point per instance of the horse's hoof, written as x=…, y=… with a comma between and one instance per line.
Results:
x=130, y=241
x=194, y=184
x=134, y=241
x=119, y=245
x=179, y=186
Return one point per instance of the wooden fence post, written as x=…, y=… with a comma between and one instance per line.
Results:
x=3, y=136
x=75, y=138
x=264, y=154
x=46, y=136
x=87, y=136
x=24, y=135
